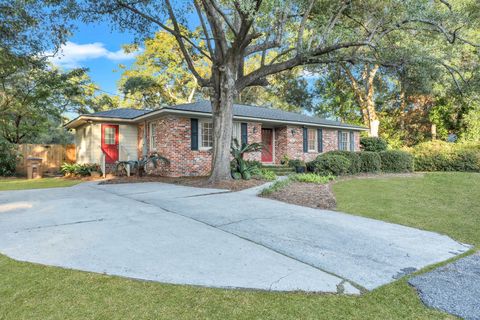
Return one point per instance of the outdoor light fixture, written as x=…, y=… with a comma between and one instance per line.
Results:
x=254, y=129
x=293, y=132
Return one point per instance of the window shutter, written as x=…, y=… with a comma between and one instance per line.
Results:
x=320, y=140
x=194, y=133
x=352, y=141
x=339, y=140
x=305, y=140
x=244, y=132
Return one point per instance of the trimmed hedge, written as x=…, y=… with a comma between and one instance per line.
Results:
x=396, y=161
x=373, y=144
x=370, y=162
x=355, y=162
x=444, y=156
x=331, y=164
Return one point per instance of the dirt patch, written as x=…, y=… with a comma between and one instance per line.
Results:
x=318, y=196
x=199, y=182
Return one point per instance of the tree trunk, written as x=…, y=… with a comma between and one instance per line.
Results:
x=222, y=108
x=374, y=122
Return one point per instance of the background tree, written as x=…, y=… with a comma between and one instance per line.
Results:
x=160, y=75
x=298, y=32
x=33, y=98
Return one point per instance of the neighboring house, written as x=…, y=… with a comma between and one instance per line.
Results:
x=184, y=135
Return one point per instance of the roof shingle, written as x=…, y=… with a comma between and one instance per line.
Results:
x=124, y=113
x=241, y=110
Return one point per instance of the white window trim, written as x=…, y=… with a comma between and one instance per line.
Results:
x=200, y=135
x=308, y=140
x=347, y=142
x=151, y=139
x=236, y=125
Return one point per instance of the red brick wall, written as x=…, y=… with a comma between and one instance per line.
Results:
x=173, y=142
x=289, y=142
x=254, y=131
x=281, y=143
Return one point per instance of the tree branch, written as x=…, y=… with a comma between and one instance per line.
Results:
x=224, y=16
x=181, y=44
x=161, y=25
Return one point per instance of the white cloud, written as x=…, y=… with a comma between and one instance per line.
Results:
x=71, y=54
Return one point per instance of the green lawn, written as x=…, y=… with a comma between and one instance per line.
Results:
x=448, y=203
x=442, y=202
x=21, y=184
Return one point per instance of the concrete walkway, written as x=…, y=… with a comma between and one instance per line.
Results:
x=210, y=237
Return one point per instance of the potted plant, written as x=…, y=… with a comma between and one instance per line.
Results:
x=298, y=164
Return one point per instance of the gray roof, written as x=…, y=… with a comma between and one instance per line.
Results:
x=241, y=110
x=125, y=113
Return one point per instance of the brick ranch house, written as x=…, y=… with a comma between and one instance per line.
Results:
x=183, y=134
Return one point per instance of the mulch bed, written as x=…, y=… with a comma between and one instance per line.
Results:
x=318, y=196
x=199, y=182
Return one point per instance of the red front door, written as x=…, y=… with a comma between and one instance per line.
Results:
x=267, y=139
x=110, y=142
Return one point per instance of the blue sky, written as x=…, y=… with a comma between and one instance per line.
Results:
x=98, y=48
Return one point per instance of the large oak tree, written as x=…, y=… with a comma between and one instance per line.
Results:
x=284, y=34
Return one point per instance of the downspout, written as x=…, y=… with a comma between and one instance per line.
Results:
x=144, y=147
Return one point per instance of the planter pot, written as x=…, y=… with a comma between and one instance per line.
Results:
x=300, y=169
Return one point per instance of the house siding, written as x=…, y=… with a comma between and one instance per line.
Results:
x=127, y=136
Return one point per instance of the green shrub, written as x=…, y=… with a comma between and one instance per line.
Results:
x=276, y=186
x=466, y=160
x=294, y=163
x=355, y=162
x=331, y=164
x=241, y=168
x=370, y=161
x=77, y=169
x=8, y=159
x=396, y=161
x=311, y=178
x=444, y=156
x=373, y=144
x=267, y=174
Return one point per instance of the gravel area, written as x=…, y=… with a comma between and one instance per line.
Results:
x=454, y=288
x=199, y=182
x=306, y=194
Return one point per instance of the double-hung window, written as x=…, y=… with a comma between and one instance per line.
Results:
x=312, y=140
x=237, y=132
x=206, y=134
x=343, y=143
x=152, y=134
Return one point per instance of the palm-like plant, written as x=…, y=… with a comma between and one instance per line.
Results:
x=241, y=169
x=140, y=165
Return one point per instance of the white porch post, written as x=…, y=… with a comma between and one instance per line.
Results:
x=144, y=147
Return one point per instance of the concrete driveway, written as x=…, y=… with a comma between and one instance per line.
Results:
x=210, y=237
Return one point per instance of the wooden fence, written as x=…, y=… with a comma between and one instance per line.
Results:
x=53, y=156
